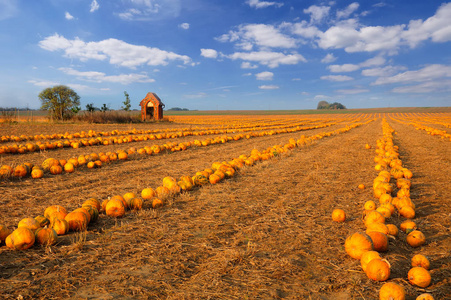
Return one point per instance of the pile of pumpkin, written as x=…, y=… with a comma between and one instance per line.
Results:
x=367, y=246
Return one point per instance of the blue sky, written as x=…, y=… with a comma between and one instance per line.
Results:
x=221, y=55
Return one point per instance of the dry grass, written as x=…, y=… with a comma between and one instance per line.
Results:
x=264, y=234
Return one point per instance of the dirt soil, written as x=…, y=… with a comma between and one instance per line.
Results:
x=266, y=233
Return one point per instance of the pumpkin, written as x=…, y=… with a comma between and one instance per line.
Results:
x=338, y=215
x=385, y=211
x=77, y=220
x=367, y=257
x=20, y=239
x=93, y=212
x=392, y=291
x=419, y=276
x=57, y=214
x=93, y=202
x=425, y=296
x=61, y=226
x=43, y=221
x=20, y=171
x=378, y=269
x=214, y=178
x=69, y=167
x=156, y=203
x=115, y=208
x=374, y=217
x=408, y=226
x=200, y=180
x=147, y=193
x=135, y=203
x=385, y=198
x=128, y=196
x=358, y=243
x=416, y=238
x=392, y=230
x=378, y=227
x=85, y=211
x=46, y=236
x=361, y=186
x=407, y=212
x=4, y=232
x=122, y=155
x=369, y=205
x=55, y=170
x=162, y=192
x=49, y=162
x=54, y=208
x=104, y=203
x=185, y=185
x=380, y=241
x=30, y=223
x=119, y=197
x=37, y=173
x=420, y=260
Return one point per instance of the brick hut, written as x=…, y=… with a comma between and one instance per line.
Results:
x=151, y=107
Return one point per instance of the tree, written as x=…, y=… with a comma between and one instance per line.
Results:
x=59, y=101
x=90, y=107
x=323, y=105
x=126, y=102
x=104, y=108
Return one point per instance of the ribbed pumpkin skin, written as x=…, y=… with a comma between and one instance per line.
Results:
x=357, y=244
x=392, y=291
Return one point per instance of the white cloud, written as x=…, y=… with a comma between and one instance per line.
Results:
x=328, y=58
x=94, y=6
x=428, y=73
x=116, y=51
x=184, y=25
x=317, y=13
x=426, y=87
x=150, y=10
x=264, y=75
x=343, y=68
x=209, y=53
x=321, y=97
x=352, y=91
x=102, y=77
x=303, y=29
x=270, y=59
x=268, y=87
x=248, y=65
x=247, y=74
x=382, y=72
x=375, y=61
x=262, y=4
x=345, y=13
x=43, y=83
x=68, y=16
x=261, y=35
x=336, y=78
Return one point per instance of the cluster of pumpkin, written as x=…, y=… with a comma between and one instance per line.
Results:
x=367, y=246
x=430, y=130
x=55, y=166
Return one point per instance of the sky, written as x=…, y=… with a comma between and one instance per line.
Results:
x=228, y=54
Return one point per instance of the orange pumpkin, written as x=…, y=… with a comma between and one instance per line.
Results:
x=55, y=170
x=420, y=260
x=408, y=226
x=214, y=178
x=156, y=203
x=378, y=269
x=46, y=236
x=135, y=203
x=54, y=208
x=93, y=212
x=4, y=232
x=385, y=211
x=374, y=217
x=338, y=215
x=358, y=243
x=93, y=202
x=37, y=173
x=61, y=226
x=392, y=230
x=419, y=276
x=43, y=221
x=407, y=212
x=147, y=193
x=115, y=208
x=128, y=196
x=392, y=291
x=379, y=227
x=162, y=192
x=425, y=296
x=367, y=257
x=69, y=167
x=369, y=205
x=416, y=238
x=20, y=239
x=85, y=211
x=361, y=186
x=30, y=223
x=119, y=197
x=380, y=241
x=77, y=220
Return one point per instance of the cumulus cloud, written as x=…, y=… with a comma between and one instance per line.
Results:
x=337, y=78
x=117, y=52
x=267, y=58
x=102, y=77
x=150, y=10
x=343, y=68
x=94, y=6
x=328, y=58
x=345, y=13
x=382, y=71
x=262, y=4
x=268, y=87
x=426, y=87
x=317, y=13
x=68, y=16
x=248, y=65
x=352, y=91
x=184, y=25
x=209, y=53
x=428, y=73
x=260, y=35
x=264, y=75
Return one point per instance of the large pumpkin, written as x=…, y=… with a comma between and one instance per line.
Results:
x=46, y=236
x=61, y=226
x=367, y=257
x=419, y=276
x=380, y=240
x=115, y=208
x=420, y=260
x=54, y=208
x=20, y=239
x=77, y=220
x=416, y=238
x=378, y=270
x=30, y=223
x=358, y=243
x=392, y=291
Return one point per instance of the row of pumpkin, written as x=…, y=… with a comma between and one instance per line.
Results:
x=56, y=220
x=94, y=160
x=367, y=246
x=429, y=130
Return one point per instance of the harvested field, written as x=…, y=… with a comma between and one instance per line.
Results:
x=264, y=233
